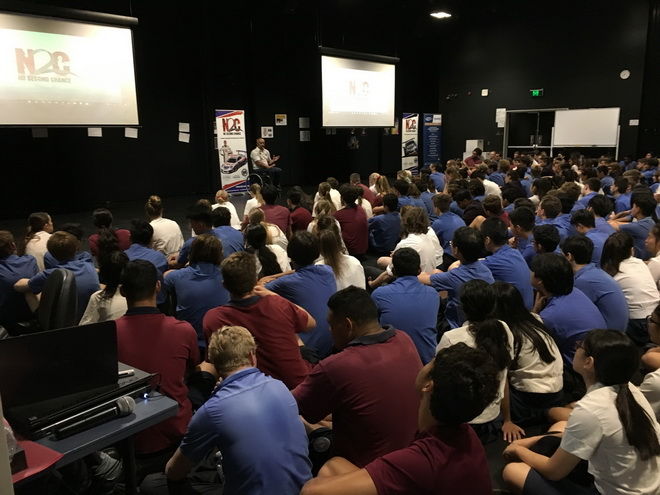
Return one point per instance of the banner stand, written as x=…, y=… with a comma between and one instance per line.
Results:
x=232, y=150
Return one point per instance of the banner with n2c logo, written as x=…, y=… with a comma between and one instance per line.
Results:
x=232, y=150
x=410, y=142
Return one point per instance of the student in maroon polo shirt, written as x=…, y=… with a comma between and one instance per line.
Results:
x=356, y=181
x=300, y=217
x=155, y=343
x=367, y=386
x=279, y=215
x=446, y=456
x=353, y=222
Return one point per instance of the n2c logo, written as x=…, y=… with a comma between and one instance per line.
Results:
x=36, y=62
x=231, y=125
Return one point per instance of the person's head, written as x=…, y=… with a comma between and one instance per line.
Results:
x=139, y=283
x=383, y=185
x=653, y=321
x=200, y=218
x=476, y=153
x=102, y=218
x=110, y=269
x=458, y=384
x=620, y=186
x=611, y=358
x=256, y=217
x=552, y=274
x=592, y=185
x=633, y=177
x=355, y=179
x=468, y=244
x=154, y=207
x=477, y=300
x=74, y=229
x=567, y=201
x=141, y=232
x=7, y=244
x=351, y=313
x=462, y=197
x=414, y=220
x=401, y=187
x=373, y=177
x=406, y=262
x=617, y=247
x=522, y=220
x=334, y=183
x=541, y=186
x=206, y=248
x=546, y=238
x=269, y=193
x=255, y=192
x=442, y=202
x=549, y=207
x=583, y=220
x=600, y=205
x=652, y=241
x=221, y=217
x=324, y=207
x=578, y=249
x=642, y=204
x=493, y=205
x=476, y=188
x=495, y=233
x=221, y=196
x=239, y=273
x=348, y=195
x=294, y=198
x=504, y=166
x=232, y=348
x=303, y=248
x=256, y=236
x=261, y=143
x=390, y=202
x=63, y=246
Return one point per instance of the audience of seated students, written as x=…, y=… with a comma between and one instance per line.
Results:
x=155, y=343
x=274, y=213
x=271, y=259
x=222, y=200
x=347, y=269
x=77, y=232
x=300, y=216
x=612, y=428
x=63, y=246
x=40, y=227
x=652, y=245
x=505, y=263
x=565, y=310
x=167, y=237
x=494, y=337
x=385, y=229
x=353, y=222
x=198, y=286
x=584, y=222
x=107, y=303
x=310, y=286
x=446, y=456
x=246, y=412
x=13, y=305
x=393, y=301
x=232, y=239
x=274, y=234
x=356, y=181
x=446, y=222
x=635, y=281
x=639, y=221
x=372, y=373
x=107, y=239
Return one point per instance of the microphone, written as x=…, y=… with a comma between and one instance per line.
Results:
x=121, y=407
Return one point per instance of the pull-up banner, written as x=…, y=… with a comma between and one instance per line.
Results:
x=409, y=142
x=431, y=137
x=232, y=150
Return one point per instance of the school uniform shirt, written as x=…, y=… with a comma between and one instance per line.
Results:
x=167, y=237
x=654, y=267
x=36, y=247
x=277, y=237
x=51, y=262
x=101, y=308
x=438, y=179
x=427, y=197
x=508, y=265
x=234, y=220
x=278, y=215
x=464, y=335
x=598, y=238
x=424, y=247
x=335, y=197
x=123, y=241
x=452, y=281
x=352, y=272
x=396, y=308
x=250, y=205
x=638, y=286
x=13, y=307
x=281, y=257
x=300, y=218
x=140, y=252
x=231, y=239
x=492, y=188
x=445, y=226
x=639, y=230
x=366, y=206
x=605, y=293
x=622, y=202
x=497, y=178
x=650, y=387
x=354, y=229
x=583, y=202
x=368, y=194
x=405, y=201
x=595, y=434
x=384, y=232
x=437, y=248
x=526, y=248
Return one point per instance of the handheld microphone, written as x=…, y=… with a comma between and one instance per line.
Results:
x=121, y=407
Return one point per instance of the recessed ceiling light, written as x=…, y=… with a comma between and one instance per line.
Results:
x=441, y=14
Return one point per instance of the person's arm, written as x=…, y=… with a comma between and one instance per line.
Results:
x=261, y=291
x=552, y=468
x=510, y=430
x=424, y=278
x=651, y=359
x=539, y=303
x=380, y=280
x=338, y=477
x=22, y=286
x=178, y=466
x=264, y=280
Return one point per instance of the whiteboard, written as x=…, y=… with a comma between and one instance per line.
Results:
x=587, y=127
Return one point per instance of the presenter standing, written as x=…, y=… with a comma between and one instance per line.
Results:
x=261, y=159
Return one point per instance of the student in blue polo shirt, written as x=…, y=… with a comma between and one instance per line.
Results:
x=505, y=263
x=409, y=305
x=198, y=287
x=232, y=239
x=71, y=228
x=385, y=229
x=567, y=313
x=548, y=212
x=597, y=285
x=446, y=222
x=601, y=206
x=141, y=234
x=13, y=306
x=428, y=191
x=585, y=223
x=642, y=206
x=402, y=188
x=309, y=287
x=64, y=246
x=252, y=419
x=621, y=193
x=200, y=221
x=522, y=226
x=437, y=177
x=589, y=190
x=467, y=247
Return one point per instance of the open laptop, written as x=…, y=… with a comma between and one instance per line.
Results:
x=48, y=376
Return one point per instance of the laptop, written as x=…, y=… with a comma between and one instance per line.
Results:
x=48, y=376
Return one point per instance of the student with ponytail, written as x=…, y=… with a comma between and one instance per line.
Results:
x=107, y=240
x=40, y=227
x=271, y=258
x=347, y=269
x=167, y=237
x=612, y=427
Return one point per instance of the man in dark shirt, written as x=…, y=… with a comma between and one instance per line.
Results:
x=276, y=214
x=300, y=217
x=446, y=456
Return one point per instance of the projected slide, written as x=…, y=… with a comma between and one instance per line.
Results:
x=357, y=93
x=55, y=72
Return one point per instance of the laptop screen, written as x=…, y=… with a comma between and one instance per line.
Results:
x=45, y=365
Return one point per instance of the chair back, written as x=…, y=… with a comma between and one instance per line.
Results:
x=58, y=307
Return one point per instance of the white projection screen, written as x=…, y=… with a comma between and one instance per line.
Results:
x=61, y=72
x=357, y=93
x=586, y=127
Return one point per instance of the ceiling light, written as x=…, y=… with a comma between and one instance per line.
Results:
x=441, y=14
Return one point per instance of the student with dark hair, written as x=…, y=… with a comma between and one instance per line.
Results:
x=522, y=225
x=601, y=206
x=401, y=189
x=201, y=223
x=385, y=229
x=506, y=264
x=300, y=217
x=13, y=306
x=446, y=456
x=394, y=308
x=612, y=428
x=107, y=239
x=437, y=177
x=275, y=214
x=590, y=189
x=598, y=286
x=372, y=373
x=494, y=337
x=565, y=310
x=107, y=303
x=446, y=222
x=231, y=239
x=40, y=227
x=470, y=207
x=271, y=259
x=346, y=268
x=546, y=238
x=75, y=230
x=368, y=194
x=153, y=342
x=621, y=193
x=535, y=375
x=467, y=247
x=141, y=234
x=353, y=222
x=584, y=223
x=640, y=222
x=635, y=280
x=548, y=213
x=310, y=286
x=167, y=236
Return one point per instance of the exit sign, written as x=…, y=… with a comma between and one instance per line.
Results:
x=536, y=92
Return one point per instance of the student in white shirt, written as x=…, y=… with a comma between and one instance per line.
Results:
x=271, y=259
x=222, y=199
x=652, y=245
x=650, y=387
x=107, y=304
x=167, y=237
x=40, y=227
x=274, y=234
x=255, y=201
x=327, y=192
x=347, y=269
x=612, y=427
x=635, y=281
